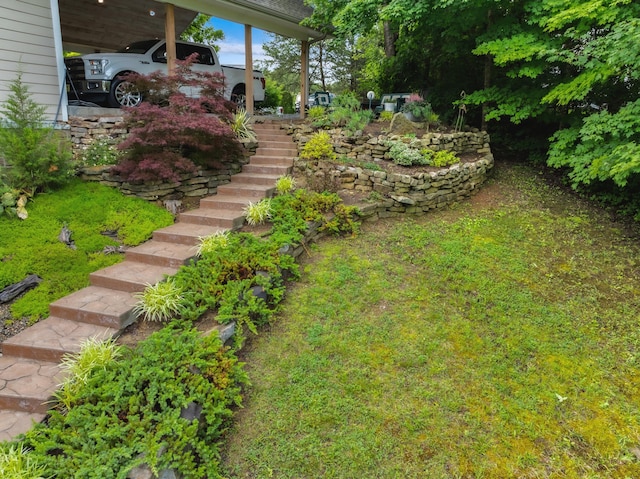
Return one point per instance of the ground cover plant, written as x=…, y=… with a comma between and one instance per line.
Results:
x=241, y=275
x=88, y=210
x=132, y=411
x=495, y=339
x=122, y=408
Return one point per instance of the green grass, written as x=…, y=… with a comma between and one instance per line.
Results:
x=88, y=209
x=496, y=339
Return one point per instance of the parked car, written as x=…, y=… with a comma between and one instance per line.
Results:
x=97, y=77
x=319, y=98
x=394, y=99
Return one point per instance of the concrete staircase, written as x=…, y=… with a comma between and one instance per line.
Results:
x=29, y=364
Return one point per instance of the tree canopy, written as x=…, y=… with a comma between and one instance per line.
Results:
x=202, y=31
x=563, y=72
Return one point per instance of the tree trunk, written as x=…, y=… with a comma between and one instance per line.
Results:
x=323, y=81
x=390, y=37
x=487, y=74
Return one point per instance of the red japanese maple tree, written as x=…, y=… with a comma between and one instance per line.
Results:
x=173, y=131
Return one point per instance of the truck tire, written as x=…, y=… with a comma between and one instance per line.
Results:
x=238, y=96
x=123, y=93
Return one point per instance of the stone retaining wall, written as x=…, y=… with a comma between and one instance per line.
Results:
x=202, y=183
x=396, y=193
x=85, y=130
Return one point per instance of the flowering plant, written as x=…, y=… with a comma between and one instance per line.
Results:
x=417, y=106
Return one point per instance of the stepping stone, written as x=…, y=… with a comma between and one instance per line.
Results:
x=186, y=233
x=161, y=253
x=242, y=189
x=255, y=179
x=27, y=384
x=14, y=423
x=130, y=276
x=95, y=305
x=220, y=218
x=52, y=338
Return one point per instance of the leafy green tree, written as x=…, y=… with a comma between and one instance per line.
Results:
x=34, y=157
x=559, y=77
x=577, y=63
x=282, y=61
x=272, y=93
x=202, y=31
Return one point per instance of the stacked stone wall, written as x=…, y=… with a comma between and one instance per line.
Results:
x=394, y=192
x=85, y=130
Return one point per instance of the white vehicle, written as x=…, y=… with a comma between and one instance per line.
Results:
x=97, y=77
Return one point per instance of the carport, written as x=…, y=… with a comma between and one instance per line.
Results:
x=106, y=25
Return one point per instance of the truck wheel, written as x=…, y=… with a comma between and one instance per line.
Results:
x=238, y=96
x=123, y=93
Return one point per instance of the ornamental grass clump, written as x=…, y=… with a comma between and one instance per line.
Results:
x=257, y=213
x=241, y=125
x=213, y=243
x=94, y=353
x=159, y=302
x=18, y=463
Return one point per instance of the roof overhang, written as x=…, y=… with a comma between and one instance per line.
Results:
x=88, y=25
x=277, y=16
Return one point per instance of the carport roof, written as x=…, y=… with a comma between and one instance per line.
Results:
x=88, y=25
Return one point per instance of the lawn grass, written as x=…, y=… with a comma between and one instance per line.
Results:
x=495, y=339
x=32, y=246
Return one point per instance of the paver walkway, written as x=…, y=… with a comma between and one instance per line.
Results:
x=29, y=364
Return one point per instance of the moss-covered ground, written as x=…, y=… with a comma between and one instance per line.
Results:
x=498, y=338
x=89, y=211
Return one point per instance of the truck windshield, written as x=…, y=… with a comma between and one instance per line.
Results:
x=138, y=47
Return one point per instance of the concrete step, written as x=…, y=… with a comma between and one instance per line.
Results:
x=52, y=338
x=161, y=253
x=277, y=152
x=27, y=384
x=255, y=179
x=14, y=423
x=276, y=142
x=270, y=160
x=130, y=276
x=267, y=127
x=277, y=170
x=274, y=137
x=221, y=218
x=186, y=233
x=243, y=189
x=96, y=305
x=227, y=202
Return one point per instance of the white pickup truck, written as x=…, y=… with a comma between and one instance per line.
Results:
x=97, y=77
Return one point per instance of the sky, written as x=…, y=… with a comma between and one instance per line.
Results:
x=232, y=47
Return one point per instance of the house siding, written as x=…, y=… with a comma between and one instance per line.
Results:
x=27, y=44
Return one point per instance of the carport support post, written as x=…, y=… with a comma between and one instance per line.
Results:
x=248, y=70
x=304, y=77
x=170, y=37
